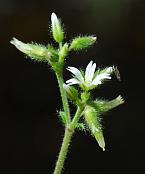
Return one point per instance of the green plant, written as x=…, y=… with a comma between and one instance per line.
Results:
x=77, y=89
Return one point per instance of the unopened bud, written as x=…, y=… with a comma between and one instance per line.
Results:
x=57, y=29
x=71, y=92
x=80, y=43
x=104, y=106
x=34, y=51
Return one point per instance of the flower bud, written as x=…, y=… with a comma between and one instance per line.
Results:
x=80, y=43
x=34, y=51
x=71, y=92
x=93, y=121
x=57, y=30
x=103, y=106
x=63, y=52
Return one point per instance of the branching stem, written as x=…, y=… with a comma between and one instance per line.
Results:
x=77, y=116
x=66, y=141
x=70, y=126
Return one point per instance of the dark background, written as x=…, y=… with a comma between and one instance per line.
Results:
x=30, y=131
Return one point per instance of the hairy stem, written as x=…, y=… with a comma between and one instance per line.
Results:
x=64, y=98
x=70, y=126
x=63, y=151
x=66, y=141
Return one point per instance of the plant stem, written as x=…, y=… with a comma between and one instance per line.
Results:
x=70, y=126
x=64, y=98
x=64, y=149
x=77, y=116
x=66, y=141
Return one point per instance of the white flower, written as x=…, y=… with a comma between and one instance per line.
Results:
x=91, y=79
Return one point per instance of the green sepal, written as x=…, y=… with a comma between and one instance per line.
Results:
x=72, y=92
x=93, y=120
x=80, y=43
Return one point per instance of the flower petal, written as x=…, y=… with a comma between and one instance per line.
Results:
x=54, y=19
x=103, y=75
x=72, y=81
x=77, y=73
x=88, y=69
x=92, y=71
x=25, y=48
x=99, y=78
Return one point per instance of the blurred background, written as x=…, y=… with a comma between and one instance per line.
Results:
x=30, y=131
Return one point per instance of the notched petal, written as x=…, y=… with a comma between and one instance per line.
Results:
x=72, y=81
x=77, y=73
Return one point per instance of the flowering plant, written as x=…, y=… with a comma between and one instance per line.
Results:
x=77, y=89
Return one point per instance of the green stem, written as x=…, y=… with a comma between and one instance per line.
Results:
x=63, y=152
x=77, y=116
x=64, y=97
x=70, y=126
x=66, y=141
